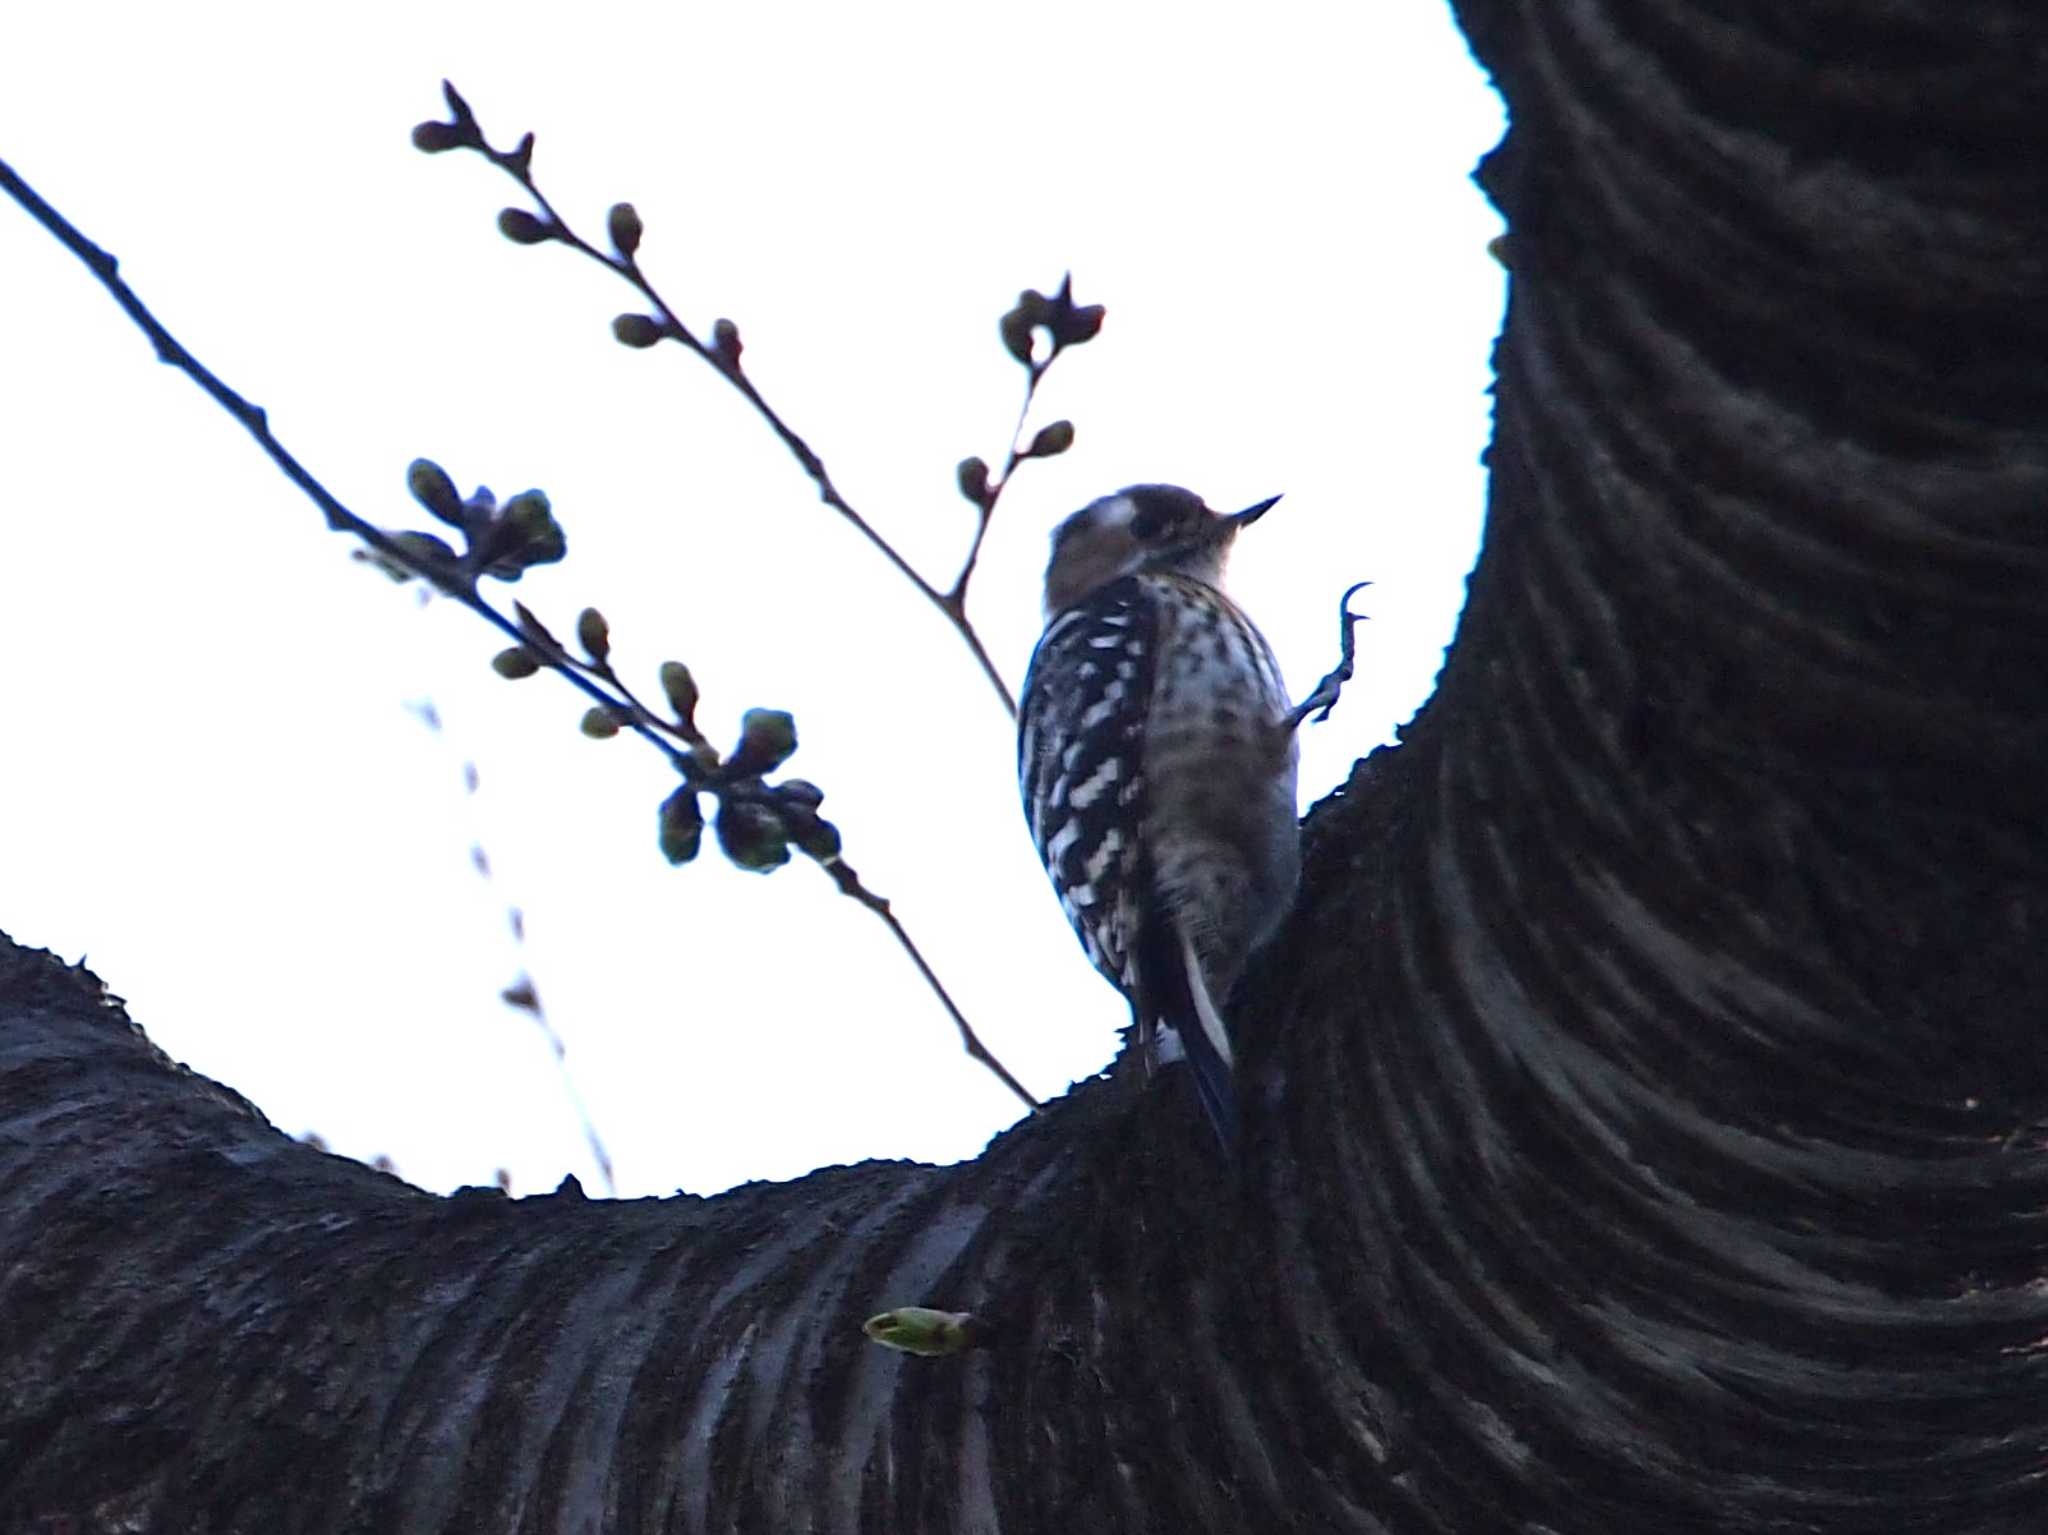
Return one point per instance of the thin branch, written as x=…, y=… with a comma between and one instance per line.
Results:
x=525, y=996
x=849, y=884
x=461, y=585
x=257, y=423
x=814, y=466
x=955, y=599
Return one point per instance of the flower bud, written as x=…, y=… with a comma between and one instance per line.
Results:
x=682, y=826
x=636, y=330
x=523, y=228
x=800, y=792
x=752, y=836
x=681, y=690
x=814, y=836
x=515, y=662
x=623, y=223
x=1052, y=440
x=767, y=738
x=431, y=487
x=972, y=477
x=437, y=138
x=725, y=343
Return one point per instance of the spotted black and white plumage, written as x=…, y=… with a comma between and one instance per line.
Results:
x=1081, y=765
x=1158, y=769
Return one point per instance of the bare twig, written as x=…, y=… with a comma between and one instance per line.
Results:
x=849, y=884
x=525, y=996
x=1063, y=323
x=955, y=599
x=724, y=356
x=522, y=994
x=695, y=761
x=257, y=423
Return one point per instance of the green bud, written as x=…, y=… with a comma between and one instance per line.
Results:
x=767, y=738
x=800, y=792
x=680, y=688
x=594, y=635
x=522, y=228
x=924, y=1330
x=549, y=546
x=815, y=837
x=752, y=836
x=636, y=330
x=529, y=511
x=623, y=222
x=1052, y=440
x=515, y=662
x=682, y=826
x=431, y=487
x=531, y=536
x=600, y=724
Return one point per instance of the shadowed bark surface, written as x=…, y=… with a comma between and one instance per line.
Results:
x=1644, y=1110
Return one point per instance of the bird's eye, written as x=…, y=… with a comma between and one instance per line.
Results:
x=1147, y=524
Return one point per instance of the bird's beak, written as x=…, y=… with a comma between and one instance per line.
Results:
x=1251, y=514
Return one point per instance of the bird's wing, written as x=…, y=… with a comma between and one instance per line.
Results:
x=1080, y=761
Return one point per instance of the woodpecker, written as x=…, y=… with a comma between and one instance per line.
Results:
x=1156, y=755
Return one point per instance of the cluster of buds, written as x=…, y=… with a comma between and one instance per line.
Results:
x=757, y=823
x=1064, y=322
x=502, y=542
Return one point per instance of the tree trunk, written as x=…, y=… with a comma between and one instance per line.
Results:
x=1644, y=1110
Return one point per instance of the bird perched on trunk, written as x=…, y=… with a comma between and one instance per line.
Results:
x=1156, y=755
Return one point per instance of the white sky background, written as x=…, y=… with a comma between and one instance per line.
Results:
x=211, y=783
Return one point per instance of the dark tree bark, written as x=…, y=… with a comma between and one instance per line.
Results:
x=1647, y=1107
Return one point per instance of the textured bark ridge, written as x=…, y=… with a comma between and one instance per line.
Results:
x=1646, y=1121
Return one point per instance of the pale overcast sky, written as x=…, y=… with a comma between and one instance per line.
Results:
x=216, y=786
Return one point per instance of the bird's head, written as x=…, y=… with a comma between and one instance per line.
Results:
x=1141, y=527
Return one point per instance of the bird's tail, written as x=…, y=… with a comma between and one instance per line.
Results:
x=1208, y=1047
x=1178, y=999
